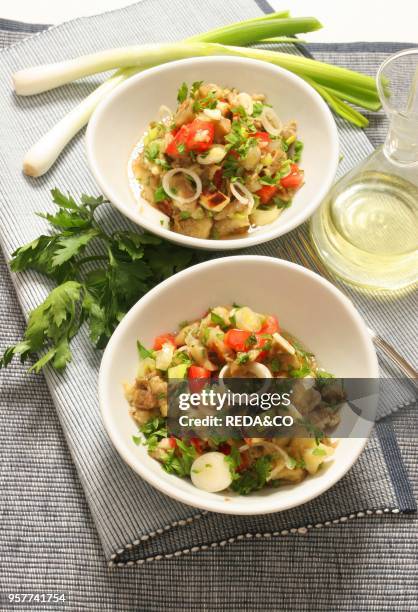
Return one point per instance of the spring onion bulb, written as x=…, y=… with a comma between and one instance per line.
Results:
x=174, y=196
x=242, y=194
x=270, y=121
x=45, y=151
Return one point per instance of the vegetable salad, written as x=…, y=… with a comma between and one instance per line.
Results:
x=233, y=341
x=221, y=164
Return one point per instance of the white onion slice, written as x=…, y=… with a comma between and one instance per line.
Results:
x=246, y=102
x=213, y=156
x=166, y=184
x=242, y=194
x=271, y=121
x=213, y=113
x=165, y=112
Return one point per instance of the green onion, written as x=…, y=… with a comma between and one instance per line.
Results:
x=335, y=84
x=259, y=30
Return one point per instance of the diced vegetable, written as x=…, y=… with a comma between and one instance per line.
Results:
x=236, y=339
x=248, y=320
x=294, y=179
x=270, y=325
x=198, y=376
x=200, y=136
x=161, y=340
x=198, y=372
x=264, y=137
x=266, y=193
x=178, y=371
x=178, y=146
x=164, y=356
x=264, y=217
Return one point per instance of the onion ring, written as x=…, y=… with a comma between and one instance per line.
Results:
x=270, y=121
x=166, y=184
x=245, y=197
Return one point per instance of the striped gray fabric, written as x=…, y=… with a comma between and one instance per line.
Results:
x=134, y=521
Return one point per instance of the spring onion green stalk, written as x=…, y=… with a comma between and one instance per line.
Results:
x=280, y=40
x=233, y=35
x=341, y=79
x=339, y=106
x=38, y=79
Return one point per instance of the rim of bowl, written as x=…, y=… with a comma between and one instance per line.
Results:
x=254, y=238
x=268, y=504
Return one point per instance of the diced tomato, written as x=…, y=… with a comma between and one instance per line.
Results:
x=198, y=444
x=160, y=340
x=172, y=442
x=266, y=193
x=180, y=137
x=262, y=356
x=200, y=135
x=263, y=136
x=270, y=325
x=236, y=339
x=292, y=180
x=198, y=372
x=197, y=378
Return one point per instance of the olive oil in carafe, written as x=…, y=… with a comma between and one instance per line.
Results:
x=371, y=225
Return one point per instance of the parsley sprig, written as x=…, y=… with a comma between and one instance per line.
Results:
x=99, y=276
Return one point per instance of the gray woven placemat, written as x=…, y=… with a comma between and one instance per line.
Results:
x=115, y=494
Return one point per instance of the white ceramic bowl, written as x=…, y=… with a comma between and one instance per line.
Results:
x=121, y=119
x=306, y=305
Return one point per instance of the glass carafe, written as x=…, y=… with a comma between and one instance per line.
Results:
x=366, y=230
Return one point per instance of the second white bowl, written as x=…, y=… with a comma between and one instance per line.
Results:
x=307, y=305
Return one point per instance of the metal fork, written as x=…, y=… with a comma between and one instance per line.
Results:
x=378, y=341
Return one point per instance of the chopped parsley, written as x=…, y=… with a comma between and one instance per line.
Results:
x=126, y=265
x=298, y=148
x=218, y=320
x=182, y=93
x=195, y=86
x=254, y=478
x=154, y=430
x=179, y=460
x=160, y=195
x=152, y=151
x=275, y=365
x=257, y=109
x=251, y=340
x=185, y=215
x=142, y=351
x=319, y=452
x=242, y=358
